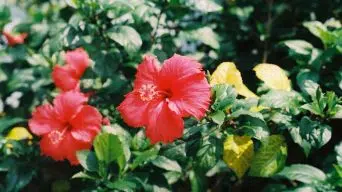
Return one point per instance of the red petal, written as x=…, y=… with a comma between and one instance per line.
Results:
x=78, y=59
x=51, y=146
x=15, y=39
x=72, y=146
x=65, y=148
x=147, y=71
x=86, y=124
x=44, y=120
x=105, y=121
x=191, y=97
x=67, y=104
x=176, y=69
x=133, y=110
x=64, y=78
x=163, y=124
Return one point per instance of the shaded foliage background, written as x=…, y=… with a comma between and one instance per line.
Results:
x=116, y=34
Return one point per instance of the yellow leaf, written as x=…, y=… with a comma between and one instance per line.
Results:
x=227, y=73
x=257, y=108
x=19, y=133
x=273, y=76
x=238, y=153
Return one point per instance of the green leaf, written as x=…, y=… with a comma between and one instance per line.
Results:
x=338, y=114
x=304, y=76
x=220, y=167
x=205, y=6
x=303, y=173
x=218, y=117
x=124, y=184
x=88, y=160
x=225, y=96
x=139, y=141
x=205, y=34
x=299, y=46
x=72, y=3
x=167, y=164
x=197, y=181
x=172, y=177
x=3, y=76
x=285, y=100
x=176, y=152
x=83, y=175
x=251, y=123
x=338, y=150
x=305, y=145
x=209, y=153
x=108, y=148
x=270, y=158
x=315, y=133
x=320, y=31
x=106, y=63
x=127, y=37
x=118, y=8
x=7, y=122
x=145, y=156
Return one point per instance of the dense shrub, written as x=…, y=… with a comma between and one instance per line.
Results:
x=170, y=95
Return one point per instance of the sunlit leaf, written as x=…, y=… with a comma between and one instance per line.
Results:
x=303, y=173
x=227, y=73
x=273, y=76
x=19, y=133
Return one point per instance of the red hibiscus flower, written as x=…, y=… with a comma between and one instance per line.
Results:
x=14, y=39
x=66, y=126
x=162, y=95
x=67, y=77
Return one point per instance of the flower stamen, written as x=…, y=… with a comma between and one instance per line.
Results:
x=56, y=136
x=148, y=92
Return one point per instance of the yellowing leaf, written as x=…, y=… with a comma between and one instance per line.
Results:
x=238, y=153
x=19, y=133
x=273, y=76
x=227, y=73
x=257, y=108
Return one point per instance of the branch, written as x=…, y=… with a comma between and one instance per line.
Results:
x=268, y=30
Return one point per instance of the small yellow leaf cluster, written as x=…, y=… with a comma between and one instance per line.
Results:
x=272, y=75
x=17, y=134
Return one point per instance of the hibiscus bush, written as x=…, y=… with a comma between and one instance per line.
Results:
x=170, y=95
